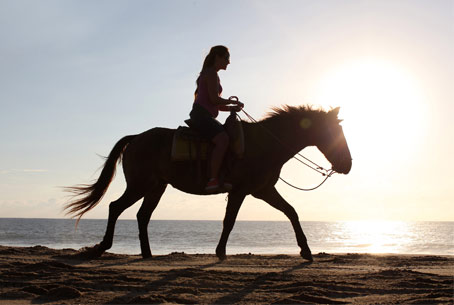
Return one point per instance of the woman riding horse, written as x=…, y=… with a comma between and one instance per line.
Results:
x=148, y=167
x=207, y=104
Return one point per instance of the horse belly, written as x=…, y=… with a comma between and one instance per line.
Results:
x=188, y=176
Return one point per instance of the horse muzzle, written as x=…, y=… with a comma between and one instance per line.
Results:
x=343, y=167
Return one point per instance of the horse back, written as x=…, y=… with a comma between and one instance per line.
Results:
x=147, y=150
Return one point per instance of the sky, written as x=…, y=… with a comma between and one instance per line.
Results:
x=76, y=76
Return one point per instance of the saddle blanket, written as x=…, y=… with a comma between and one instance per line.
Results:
x=188, y=145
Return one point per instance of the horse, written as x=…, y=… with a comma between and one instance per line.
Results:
x=269, y=144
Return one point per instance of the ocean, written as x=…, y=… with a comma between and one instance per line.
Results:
x=256, y=237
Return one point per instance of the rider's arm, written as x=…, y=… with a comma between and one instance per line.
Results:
x=227, y=108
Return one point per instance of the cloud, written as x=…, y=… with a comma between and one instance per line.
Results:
x=26, y=170
x=45, y=208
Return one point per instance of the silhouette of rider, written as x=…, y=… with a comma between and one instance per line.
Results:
x=207, y=104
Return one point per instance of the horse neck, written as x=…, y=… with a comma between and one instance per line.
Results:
x=278, y=140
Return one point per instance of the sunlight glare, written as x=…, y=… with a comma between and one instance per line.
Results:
x=380, y=103
x=378, y=236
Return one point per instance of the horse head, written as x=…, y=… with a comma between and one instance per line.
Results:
x=332, y=143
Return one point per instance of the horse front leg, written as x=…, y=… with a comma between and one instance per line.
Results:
x=144, y=214
x=233, y=206
x=273, y=198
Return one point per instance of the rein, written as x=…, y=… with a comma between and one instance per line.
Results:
x=319, y=169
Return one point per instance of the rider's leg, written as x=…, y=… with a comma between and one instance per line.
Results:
x=221, y=142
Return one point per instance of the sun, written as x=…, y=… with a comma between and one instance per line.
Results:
x=380, y=102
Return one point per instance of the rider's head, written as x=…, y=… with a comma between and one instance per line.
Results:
x=218, y=58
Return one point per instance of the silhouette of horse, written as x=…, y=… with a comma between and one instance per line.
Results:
x=148, y=169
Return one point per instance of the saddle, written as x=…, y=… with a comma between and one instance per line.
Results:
x=189, y=145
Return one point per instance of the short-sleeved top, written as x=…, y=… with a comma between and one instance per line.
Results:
x=203, y=98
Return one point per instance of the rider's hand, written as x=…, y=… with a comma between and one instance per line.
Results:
x=235, y=101
x=236, y=108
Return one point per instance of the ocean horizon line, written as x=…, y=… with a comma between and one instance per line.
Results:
x=238, y=220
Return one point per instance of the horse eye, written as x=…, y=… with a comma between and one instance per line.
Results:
x=305, y=123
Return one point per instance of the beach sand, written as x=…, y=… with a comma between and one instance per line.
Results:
x=34, y=275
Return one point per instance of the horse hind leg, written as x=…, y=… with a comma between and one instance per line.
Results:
x=149, y=204
x=116, y=207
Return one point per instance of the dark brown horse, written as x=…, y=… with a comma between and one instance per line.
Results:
x=269, y=144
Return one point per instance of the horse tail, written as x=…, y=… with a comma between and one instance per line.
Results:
x=93, y=193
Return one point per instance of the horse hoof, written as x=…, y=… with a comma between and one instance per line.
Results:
x=146, y=255
x=91, y=252
x=221, y=255
x=307, y=256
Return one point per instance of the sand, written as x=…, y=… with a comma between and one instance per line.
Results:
x=35, y=275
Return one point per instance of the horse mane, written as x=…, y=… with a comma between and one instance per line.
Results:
x=294, y=112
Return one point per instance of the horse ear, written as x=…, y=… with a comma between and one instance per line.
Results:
x=335, y=111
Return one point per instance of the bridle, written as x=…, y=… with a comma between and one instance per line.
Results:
x=324, y=172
